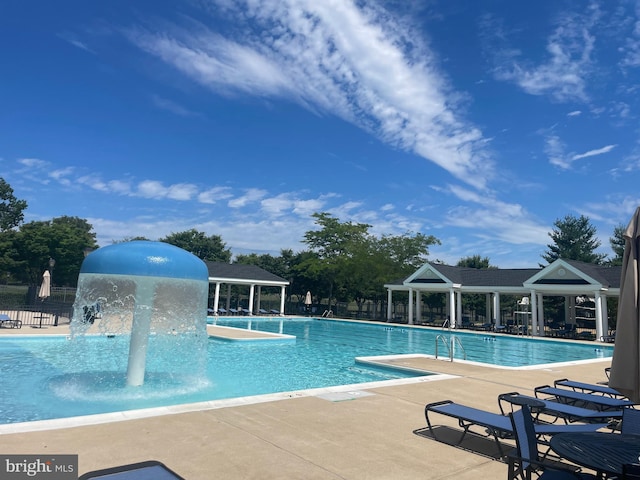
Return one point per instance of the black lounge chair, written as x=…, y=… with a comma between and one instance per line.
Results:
x=275, y=312
x=586, y=400
x=149, y=470
x=233, y=311
x=496, y=425
x=587, y=387
x=528, y=459
x=262, y=311
x=568, y=413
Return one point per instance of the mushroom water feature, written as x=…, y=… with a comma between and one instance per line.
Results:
x=140, y=290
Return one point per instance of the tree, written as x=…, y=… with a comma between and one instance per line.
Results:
x=10, y=207
x=334, y=243
x=574, y=239
x=475, y=261
x=208, y=248
x=617, y=244
x=63, y=239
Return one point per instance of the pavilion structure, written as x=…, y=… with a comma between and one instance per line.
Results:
x=578, y=282
x=247, y=275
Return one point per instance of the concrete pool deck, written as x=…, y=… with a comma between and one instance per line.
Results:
x=376, y=433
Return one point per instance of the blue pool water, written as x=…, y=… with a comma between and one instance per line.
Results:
x=54, y=377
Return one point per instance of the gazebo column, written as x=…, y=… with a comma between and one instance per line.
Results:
x=452, y=308
x=541, y=315
x=601, y=328
x=605, y=315
x=251, y=292
x=570, y=309
x=534, y=313
x=419, y=306
x=283, y=291
x=458, y=308
x=410, y=312
x=216, y=298
x=487, y=308
x=258, y=295
x=389, y=304
x=496, y=308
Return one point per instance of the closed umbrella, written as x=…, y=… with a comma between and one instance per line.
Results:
x=625, y=365
x=308, y=302
x=45, y=288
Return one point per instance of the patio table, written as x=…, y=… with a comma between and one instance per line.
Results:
x=606, y=453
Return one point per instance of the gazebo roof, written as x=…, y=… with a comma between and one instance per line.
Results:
x=561, y=275
x=241, y=274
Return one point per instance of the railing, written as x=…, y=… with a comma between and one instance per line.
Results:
x=450, y=346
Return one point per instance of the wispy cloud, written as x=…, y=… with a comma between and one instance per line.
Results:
x=593, y=153
x=569, y=49
x=338, y=57
x=631, y=48
x=72, y=39
x=575, y=113
x=556, y=152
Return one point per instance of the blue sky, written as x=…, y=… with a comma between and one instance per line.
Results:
x=478, y=122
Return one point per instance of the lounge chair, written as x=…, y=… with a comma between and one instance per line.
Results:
x=630, y=421
x=149, y=470
x=275, y=312
x=222, y=311
x=496, y=425
x=528, y=459
x=586, y=400
x=9, y=322
x=245, y=311
x=262, y=311
x=568, y=413
x=233, y=311
x=587, y=387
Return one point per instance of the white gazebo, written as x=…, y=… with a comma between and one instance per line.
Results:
x=579, y=283
x=250, y=275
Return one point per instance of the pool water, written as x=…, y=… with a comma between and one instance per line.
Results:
x=54, y=377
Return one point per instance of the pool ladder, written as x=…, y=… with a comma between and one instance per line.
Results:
x=450, y=346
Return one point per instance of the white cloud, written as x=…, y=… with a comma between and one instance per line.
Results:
x=592, y=153
x=353, y=61
x=214, y=195
x=173, y=107
x=251, y=195
x=569, y=49
x=575, y=113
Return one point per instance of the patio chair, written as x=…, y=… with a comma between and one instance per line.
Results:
x=9, y=322
x=496, y=425
x=587, y=387
x=630, y=421
x=149, y=470
x=586, y=400
x=275, y=312
x=233, y=311
x=222, y=311
x=568, y=413
x=527, y=461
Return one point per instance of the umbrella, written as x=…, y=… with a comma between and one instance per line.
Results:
x=625, y=365
x=45, y=288
x=308, y=302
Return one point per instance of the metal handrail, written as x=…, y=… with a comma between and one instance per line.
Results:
x=450, y=346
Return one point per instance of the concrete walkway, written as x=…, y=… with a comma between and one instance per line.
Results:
x=376, y=436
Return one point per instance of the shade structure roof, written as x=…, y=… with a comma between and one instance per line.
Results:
x=560, y=277
x=240, y=274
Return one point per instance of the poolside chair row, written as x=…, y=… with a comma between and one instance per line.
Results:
x=496, y=425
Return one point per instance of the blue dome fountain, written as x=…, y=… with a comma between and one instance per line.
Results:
x=140, y=289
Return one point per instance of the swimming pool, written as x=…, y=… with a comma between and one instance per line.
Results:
x=48, y=377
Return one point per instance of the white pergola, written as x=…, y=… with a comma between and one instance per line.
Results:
x=248, y=275
x=566, y=278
